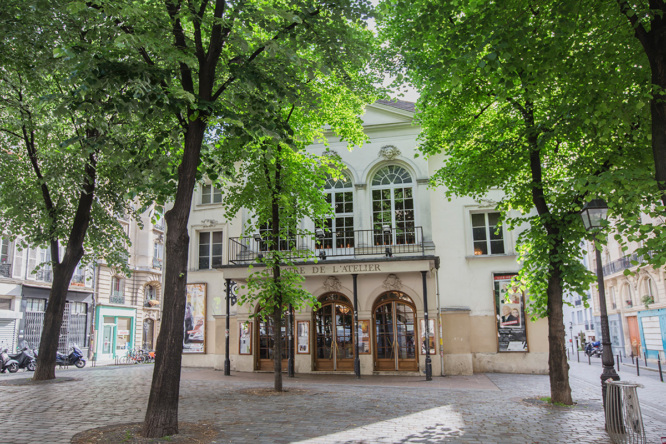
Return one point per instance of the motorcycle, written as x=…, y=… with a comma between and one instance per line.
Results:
x=25, y=359
x=593, y=349
x=8, y=363
x=74, y=358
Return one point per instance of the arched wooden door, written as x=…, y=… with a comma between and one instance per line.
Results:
x=394, y=317
x=334, y=327
x=264, y=333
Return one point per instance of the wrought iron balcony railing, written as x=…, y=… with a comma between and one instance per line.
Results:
x=117, y=298
x=624, y=263
x=157, y=263
x=6, y=270
x=340, y=244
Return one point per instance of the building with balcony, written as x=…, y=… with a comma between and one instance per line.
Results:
x=636, y=303
x=25, y=284
x=127, y=314
x=393, y=250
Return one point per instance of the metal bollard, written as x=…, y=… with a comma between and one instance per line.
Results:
x=578, y=355
x=568, y=358
x=661, y=375
x=638, y=372
x=632, y=359
x=589, y=360
x=645, y=357
x=618, y=363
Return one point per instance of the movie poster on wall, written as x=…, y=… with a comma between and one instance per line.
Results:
x=194, y=340
x=510, y=313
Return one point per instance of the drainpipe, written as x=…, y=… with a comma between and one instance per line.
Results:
x=439, y=321
x=428, y=363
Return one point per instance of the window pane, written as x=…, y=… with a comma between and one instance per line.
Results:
x=479, y=233
x=478, y=220
x=204, y=262
x=497, y=246
x=480, y=248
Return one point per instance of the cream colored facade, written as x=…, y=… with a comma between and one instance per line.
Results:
x=127, y=314
x=439, y=261
x=635, y=327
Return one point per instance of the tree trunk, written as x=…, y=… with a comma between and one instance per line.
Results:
x=48, y=345
x=658, y=112
x=64, y=269
x=558, y=367
x=162, y=412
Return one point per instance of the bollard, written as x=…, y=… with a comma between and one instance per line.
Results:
x=568, y=358
x=645, y=357
x=589, y=360
x=632, y=359
x=661, y=375
x=638, y=372
x=578, y=355
x=618, y=363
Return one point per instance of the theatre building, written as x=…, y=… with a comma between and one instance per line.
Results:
x=395, y=253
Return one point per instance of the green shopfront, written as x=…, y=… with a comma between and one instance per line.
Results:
x=115, y=329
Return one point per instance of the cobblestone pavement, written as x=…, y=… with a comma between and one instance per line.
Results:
x=326, y=409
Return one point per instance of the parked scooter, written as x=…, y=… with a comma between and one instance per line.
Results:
x=74, y=358
x=8, y=363
x=593, y=349
x=25, y=359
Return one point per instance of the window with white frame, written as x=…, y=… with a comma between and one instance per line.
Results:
x=118, y=290
x=487, y=236
x=4, y=250
x=626, y=295
x=648, y=291
x=210, y=194
x=158, y=251
x=339, y=229
x=393, y=205
x=210, y=249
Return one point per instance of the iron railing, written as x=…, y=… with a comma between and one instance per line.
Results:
x=5, y=270
x=623, y=263
x=78, y=279
x=341, y=244
x=157, y=263
x=117, y=298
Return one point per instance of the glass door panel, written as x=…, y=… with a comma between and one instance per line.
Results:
x=335, y=340
x=265, y=335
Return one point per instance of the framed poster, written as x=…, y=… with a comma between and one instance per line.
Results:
x=510, y=313
x=363, y=337
x=194, y=336
x=431, y=336
x=245, y=338
x=303, y=337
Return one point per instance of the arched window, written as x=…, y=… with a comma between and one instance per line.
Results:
x=394, y=317
x=625, y=294
x=339, y=229
x=334, y=329
x=393, y=205
x=648, y=294
x=150, y=293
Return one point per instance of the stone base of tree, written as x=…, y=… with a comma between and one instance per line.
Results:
x=189, y=432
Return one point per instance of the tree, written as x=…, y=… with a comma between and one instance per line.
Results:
x=528, y=98
x=223, y=56
x=73, y=145
x=282, y=183
x=649, y=26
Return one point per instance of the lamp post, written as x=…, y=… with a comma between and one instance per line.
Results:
x=594, y=215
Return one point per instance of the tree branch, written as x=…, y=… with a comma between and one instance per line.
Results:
x=258, y=51
x=173, y=8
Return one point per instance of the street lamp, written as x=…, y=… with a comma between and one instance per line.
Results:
x=594, y=215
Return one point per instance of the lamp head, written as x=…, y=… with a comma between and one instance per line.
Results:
x=594, y=213
x=386, y=229
x=257, y=237
x=319, y=233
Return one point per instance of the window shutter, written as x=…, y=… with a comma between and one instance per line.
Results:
x=18, y=262
x=32, y=262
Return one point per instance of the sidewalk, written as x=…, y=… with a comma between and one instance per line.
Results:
x=326, y=409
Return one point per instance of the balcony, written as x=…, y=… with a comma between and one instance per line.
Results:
x=622, y=264
x=6, y=270
x=44, y=276
x=117, y=298
x=341, y=244
x=157, y=263
x=78, y=280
